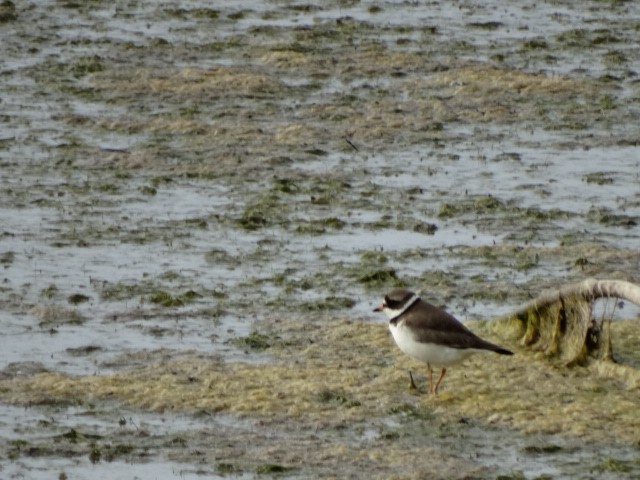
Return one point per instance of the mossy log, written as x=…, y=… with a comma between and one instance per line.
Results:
x=560, y=323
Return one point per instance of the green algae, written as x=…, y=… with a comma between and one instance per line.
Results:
x=402, y=87
x=7, y=258
x=478, y=206
x=328, y=304
x=599, y=178
x=272, y=468
x=615, y=466
x=607, y=217
x=78, y=298
x=165, y=299
x=220, y=256
x=255, y=341
x=50, y=292
x=379, y=278
x=542, y=449
x=320, y=226
x=409, y=413
x=338, y=398
x=264, y=212
x=225, y=468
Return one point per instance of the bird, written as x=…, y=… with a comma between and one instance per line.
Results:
x=430, y=334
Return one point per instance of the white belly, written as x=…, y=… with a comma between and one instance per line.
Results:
x=435, y=355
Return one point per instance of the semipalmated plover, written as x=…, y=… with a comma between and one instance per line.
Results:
x=430, y=334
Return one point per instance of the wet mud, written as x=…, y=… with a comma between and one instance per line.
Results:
x=200, y=206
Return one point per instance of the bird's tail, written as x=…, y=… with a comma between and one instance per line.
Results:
x=501, y=351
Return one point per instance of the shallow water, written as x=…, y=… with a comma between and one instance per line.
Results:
x=112, y=200
x=36, y=425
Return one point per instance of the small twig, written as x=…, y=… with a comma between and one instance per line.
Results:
x=351, y=143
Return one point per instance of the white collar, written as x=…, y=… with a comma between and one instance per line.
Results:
x=406, y=307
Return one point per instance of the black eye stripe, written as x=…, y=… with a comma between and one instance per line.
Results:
x=392, y=304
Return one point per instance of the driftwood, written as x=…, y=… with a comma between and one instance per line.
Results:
x=560, y=323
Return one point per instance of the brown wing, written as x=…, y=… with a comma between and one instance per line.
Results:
x=431, y=324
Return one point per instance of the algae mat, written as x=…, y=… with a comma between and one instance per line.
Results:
x=200, y=205
x=333, y=397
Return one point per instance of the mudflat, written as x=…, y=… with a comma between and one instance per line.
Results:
x=200, y=205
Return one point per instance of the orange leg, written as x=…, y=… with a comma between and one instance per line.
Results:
x=430, y=378
x=435, y=390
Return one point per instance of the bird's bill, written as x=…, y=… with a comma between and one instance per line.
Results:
x=379, y=309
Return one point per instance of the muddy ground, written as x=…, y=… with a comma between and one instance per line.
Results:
x=201, y=204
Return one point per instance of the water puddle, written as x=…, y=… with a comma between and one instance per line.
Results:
x=29, y=433
x=175, y=177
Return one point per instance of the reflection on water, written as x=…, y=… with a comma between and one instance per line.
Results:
x=102, y=211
